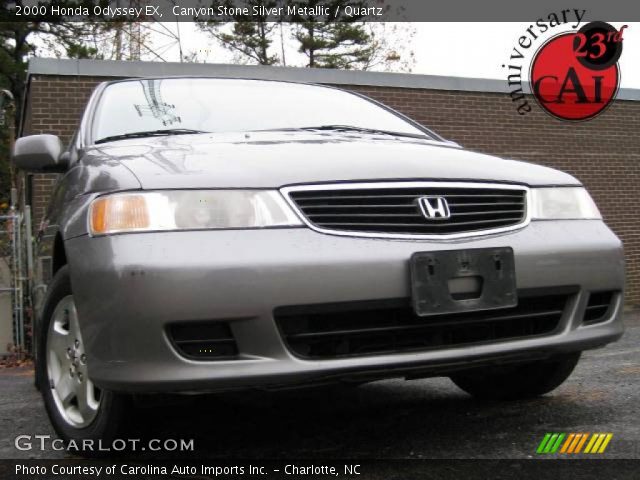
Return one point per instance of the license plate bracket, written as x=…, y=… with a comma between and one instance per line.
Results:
x=453, y=281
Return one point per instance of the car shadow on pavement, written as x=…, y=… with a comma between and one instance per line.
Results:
x=388, y=419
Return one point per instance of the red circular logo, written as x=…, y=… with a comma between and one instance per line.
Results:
x=574, y=76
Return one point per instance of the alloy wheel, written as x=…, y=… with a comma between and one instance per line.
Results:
x=76, y=398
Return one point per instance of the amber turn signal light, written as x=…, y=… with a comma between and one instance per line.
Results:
x=119, y=213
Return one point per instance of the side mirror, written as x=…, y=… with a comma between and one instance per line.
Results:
x=39, y=153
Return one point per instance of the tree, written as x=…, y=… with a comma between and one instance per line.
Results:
x=19, y=40
x=385, y=54
x=250, y=36
x=336, y=40
x=333, y=41
x=253, y=40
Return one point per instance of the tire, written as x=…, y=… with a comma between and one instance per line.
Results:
x=93, y=414
x=517, y=382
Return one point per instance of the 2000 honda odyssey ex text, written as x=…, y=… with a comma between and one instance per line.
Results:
x=214, y=234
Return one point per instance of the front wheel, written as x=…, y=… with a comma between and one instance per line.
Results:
x=519, y=381
x=77, y=408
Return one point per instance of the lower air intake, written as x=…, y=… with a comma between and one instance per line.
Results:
x=598, y=307
x=204, y=340
x=391, y=326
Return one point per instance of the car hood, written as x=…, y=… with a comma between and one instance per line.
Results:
x=276, y=159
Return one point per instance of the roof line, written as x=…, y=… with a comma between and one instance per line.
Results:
x=123, y=69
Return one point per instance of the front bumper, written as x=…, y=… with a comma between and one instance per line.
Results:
x=128, y=288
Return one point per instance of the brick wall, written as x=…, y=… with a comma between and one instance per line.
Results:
x=54, y=105
x=603, y=153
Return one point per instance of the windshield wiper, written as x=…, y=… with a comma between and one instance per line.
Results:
x=149, y=133
x=348, y=128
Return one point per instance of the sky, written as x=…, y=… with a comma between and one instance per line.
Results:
x=476, y=50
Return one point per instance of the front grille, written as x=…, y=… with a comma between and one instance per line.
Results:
x=378, y=327
x=598, y=307
x=203, y=340
x=394, y=209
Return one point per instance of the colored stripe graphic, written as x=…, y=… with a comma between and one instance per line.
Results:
x=581, y=443
x=592, y=441
x=573, y=443
x=551, y=443
x=607, y=439
x=543, y=443
x=556, y=446
x=598, y=443
x=568, y=442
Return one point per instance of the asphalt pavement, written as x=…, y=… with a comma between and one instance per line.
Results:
x=388, y=419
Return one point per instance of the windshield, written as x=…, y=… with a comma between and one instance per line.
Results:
x=229, y=105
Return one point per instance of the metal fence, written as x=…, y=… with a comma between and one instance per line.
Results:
x=15, y=271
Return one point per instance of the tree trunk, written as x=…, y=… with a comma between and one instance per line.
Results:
x=312, y=60
x=264, y=57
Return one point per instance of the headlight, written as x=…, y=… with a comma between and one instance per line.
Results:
x=563, y=203
x=189, y=210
